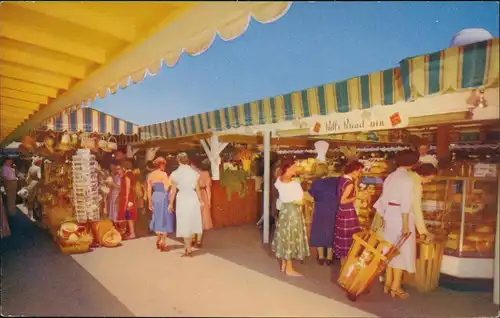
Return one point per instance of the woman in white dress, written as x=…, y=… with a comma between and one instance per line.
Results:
x=188, y=202
x=395, y=205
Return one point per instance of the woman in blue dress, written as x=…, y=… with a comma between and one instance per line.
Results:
x=162, y=221
x=324, y=192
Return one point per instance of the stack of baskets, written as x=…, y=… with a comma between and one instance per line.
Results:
x=86, y=197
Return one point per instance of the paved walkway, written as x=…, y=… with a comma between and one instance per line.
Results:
x=232, y=276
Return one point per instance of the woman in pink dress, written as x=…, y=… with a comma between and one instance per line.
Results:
x=205, y=182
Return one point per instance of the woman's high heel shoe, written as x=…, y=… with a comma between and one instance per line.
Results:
x=187, y=253
x=163, y=247
x=387, y=289
x=400, y=294
x=158, y=245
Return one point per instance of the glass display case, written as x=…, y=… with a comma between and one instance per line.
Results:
x=466, y=209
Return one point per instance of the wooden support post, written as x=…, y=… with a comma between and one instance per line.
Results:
x=443, y=144
x=267, y=185
x=213, y=148
x=496, y=274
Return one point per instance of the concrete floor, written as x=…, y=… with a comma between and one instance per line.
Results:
x=233, y=275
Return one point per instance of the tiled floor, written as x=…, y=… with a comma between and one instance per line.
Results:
x=233, y=275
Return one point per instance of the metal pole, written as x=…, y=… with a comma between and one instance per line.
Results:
x=267, y=186
x=496, y=275
x=462, y=222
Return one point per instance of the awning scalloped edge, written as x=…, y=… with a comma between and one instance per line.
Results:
x=200, y=43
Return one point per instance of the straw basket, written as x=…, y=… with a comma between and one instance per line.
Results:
x=428, y=265
x=103, y=230
x=112, y=144
x=77, y=248
x=103, y=143
x=367, y=258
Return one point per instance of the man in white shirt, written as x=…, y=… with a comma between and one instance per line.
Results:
x=10, y=182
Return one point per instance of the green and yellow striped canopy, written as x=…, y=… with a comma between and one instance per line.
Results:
x=453, y=69
x=475, y=65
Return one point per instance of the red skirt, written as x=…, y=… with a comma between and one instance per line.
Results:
x=125, y=213
x=346, y=225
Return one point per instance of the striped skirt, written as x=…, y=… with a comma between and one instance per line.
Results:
x=346, y=225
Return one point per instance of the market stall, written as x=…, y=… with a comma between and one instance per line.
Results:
x=66, y=184
x=446, y=91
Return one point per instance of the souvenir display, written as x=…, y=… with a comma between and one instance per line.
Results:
x=86, y=197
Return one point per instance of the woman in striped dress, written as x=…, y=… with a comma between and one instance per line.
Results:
x=346, y=220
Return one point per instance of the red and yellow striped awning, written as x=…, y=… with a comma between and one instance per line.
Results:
x=89, y=120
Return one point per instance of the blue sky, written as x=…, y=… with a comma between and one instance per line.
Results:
x=313, y=44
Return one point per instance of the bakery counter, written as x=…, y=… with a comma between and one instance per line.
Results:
x=465, y=208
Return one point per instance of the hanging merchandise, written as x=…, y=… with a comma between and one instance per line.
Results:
x=245, y=156
x=234, y=181
x=131, y=152
x=85, y=186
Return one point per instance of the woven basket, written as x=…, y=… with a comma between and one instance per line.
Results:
x=77, y=248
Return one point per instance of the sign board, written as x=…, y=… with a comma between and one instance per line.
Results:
x=357, y=121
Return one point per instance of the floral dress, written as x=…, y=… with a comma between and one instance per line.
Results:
x=290, y=238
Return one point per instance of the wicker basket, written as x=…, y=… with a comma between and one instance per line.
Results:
x=428, y=264
x=77, y=248
x=367, y=258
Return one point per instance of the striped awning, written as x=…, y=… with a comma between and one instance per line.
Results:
x=58, y=55
x=380, y=88
x=453, y=69
x=89, y=120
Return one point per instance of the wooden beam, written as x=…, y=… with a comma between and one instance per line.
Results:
x=41, y=61
x=39, y=99
x=78, y=14
x=290, y=141
x=242, y=139
x=22, y=86
x=10, y=111
x=7, y=107
x=437, y=119
x=43, y=39
x=6, y=114
x=34, y=76
x=18, y=103
x=10, y=124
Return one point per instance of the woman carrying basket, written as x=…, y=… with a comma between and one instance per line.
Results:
x=395, y=205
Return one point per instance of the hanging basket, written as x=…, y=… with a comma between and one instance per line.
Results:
x=103, y=143
x=112, y=144
x=87, y=141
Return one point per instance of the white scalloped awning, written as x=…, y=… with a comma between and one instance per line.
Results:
x=59, y=55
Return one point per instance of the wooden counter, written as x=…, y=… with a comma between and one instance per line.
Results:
x=237, y=211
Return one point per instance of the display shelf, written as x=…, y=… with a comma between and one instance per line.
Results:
x=470, y=220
